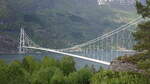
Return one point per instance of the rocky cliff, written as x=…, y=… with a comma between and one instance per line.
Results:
x=118, y=65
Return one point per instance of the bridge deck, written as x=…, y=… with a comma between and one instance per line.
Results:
x=68, y=54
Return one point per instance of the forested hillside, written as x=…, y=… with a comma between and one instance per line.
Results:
x=52, y=71
x=59, y=23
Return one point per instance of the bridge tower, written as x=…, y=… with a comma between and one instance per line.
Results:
x=101, y=2
x=22, y=41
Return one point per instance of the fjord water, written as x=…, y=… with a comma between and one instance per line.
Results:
x=80, y=63
x=8, y=58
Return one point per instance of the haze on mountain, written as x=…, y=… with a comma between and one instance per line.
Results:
x=60, y=23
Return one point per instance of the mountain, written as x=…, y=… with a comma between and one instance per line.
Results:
x=7, y=44
x=60, y=23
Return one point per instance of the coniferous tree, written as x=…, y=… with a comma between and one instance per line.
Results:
x=142, y=36
x=143, y=9
x=143, y=33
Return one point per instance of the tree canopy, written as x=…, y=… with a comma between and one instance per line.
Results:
x=52, y=71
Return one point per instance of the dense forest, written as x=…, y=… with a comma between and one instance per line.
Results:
x=51, y=71
x=56, y=23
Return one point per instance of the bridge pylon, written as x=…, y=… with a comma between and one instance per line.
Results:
x=22, y=41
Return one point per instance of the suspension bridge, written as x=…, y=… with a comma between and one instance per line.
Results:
x=101, y=50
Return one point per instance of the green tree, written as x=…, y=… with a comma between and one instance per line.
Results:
x=142, y=36
x=82, y=76
x=144, y=65
x=143, y=9
x=16, y=74
x=50, y=62
x=143, y=33
x=43, y=76
x=3, y=72
x=30, y=65
x=67, y=65
x=58, y=77
x=111, y=77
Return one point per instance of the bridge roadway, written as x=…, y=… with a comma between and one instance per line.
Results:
x=68, y=54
